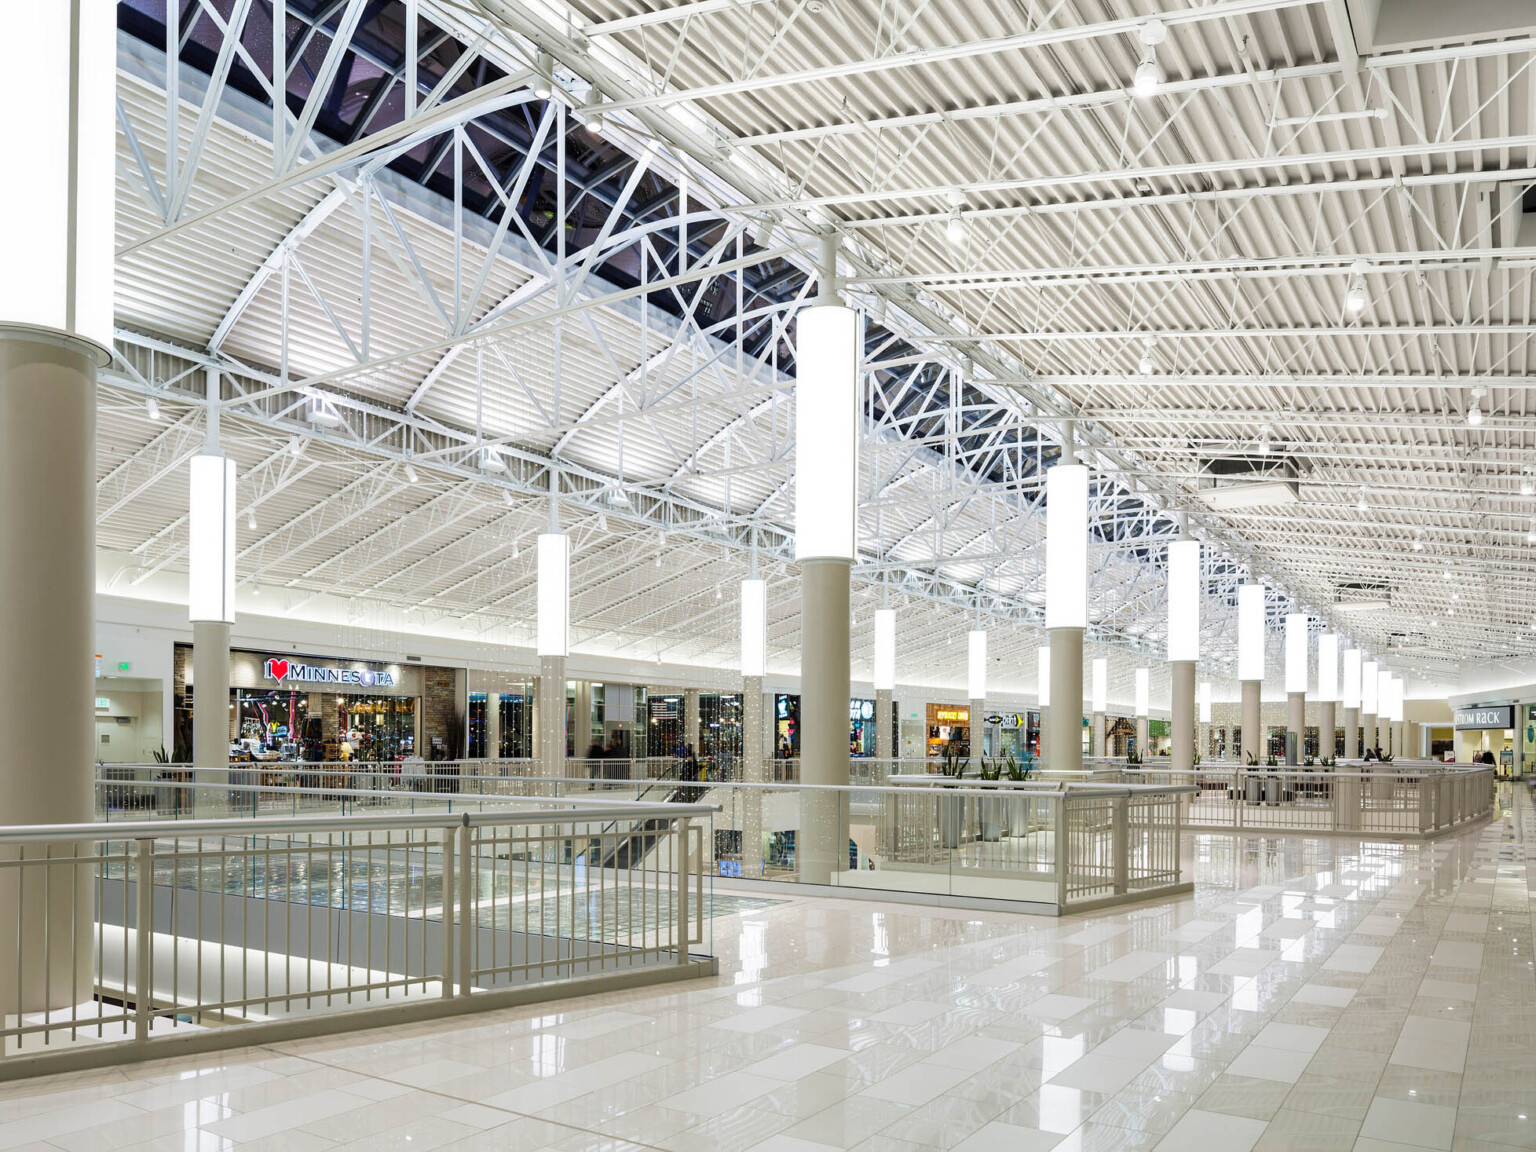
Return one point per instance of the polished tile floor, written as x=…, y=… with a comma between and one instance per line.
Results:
x=1313, y=994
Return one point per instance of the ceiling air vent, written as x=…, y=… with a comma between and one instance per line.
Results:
x=1362, y=596
x=1251, y=481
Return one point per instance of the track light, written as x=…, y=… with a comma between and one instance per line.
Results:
x=1475, y=413
x=955, y=230
x=1148, y=365
x=1149, y=78
x=1265, y=446
x=255, y=585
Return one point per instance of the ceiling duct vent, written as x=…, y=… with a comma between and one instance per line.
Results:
x=1248, y=481
x=1407, y=642
x=1362, y=596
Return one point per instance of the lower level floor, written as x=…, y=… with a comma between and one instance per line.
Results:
x=1312, y=994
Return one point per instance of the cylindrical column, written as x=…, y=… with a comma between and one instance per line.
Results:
x=550, y=716
x=1143, y=736
x=1351, y=733
x=47, y=627
x=885, y=726
x=978, y=710
x=752, y=772
x=1182, y=753
x=210, y=716
x=1065, y=725
x=1100, y=736
x=824, y=684
x=1295, y=724
x=1368, y=738
x=1253, y=736
x=1043, y=690
x=1327, y=713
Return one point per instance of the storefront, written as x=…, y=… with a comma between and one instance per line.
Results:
x=299, y=707
x=861, y=726
x=1492, y=729
x=948, y=723
x=1015, y=734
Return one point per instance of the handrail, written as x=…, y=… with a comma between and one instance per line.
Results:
x=242, y=825
x=383, y=793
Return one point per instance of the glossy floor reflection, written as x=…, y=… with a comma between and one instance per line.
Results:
x=1314, y=994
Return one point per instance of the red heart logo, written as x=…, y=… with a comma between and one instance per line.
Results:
x=277, y=669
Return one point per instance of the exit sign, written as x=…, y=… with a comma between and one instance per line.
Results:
x=103, y=702
x=124, y=665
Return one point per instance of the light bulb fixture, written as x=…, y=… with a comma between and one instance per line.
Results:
x=1361, y=504
x=602, y=526
x=255, y=585
x=1475, y=413
x=1148, y=365
x=954, y=230
x=250, y=519
x=1265, y=444
x=152, y=406
x=1530, y=533
x=1418, y=540
x=410, y=473
x=1527, y=482
x=1149, y=77
x=658, y=559
x=295, y=445
x=544, y=69
x=1355, y=295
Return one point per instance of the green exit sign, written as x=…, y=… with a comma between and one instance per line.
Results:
x=124, y=665
x=103, y=702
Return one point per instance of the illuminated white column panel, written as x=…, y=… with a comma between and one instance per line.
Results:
x=1100, y=684
x=826, y=433
x=754, y=627
x=211, y=540
x=976, y=668
x=1184, y=600
x=1353, y=675
x=1370, y=688
x=1205, y=702
x=1296, y=671
x=1250, y=632
x=1143, y=691
x=554, y=594
x=1328, y=667
x=1066, y=546
x=1043, y=666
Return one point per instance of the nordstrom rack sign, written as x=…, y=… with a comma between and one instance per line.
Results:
x=1502, y=716
x=283, y=670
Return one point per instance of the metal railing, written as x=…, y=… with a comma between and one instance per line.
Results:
x=212, y=933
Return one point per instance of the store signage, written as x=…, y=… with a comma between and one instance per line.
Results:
x=861, y=709
x=1472, y=719
x=1008, y=720
x=952, y=715
x=291, y=670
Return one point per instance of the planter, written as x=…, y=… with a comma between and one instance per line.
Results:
x=951, y=820
x=993, y=811
x=1018, y=815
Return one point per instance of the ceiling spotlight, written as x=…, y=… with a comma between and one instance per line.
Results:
x=506, y=497
x=1148, y=365
x=1149, y=77
x=1418, y=541
x=491, y=461
x=658, y=559
x=410, y=473
x=602, y=522
x=1361, y=504
x=1530, y=534
x=717, y=592
x=152, y=406
x=1265, y=447
x=544, y=68
x=1527, y=483
x=250, y=519
x=255, y=585
x=295, y=445
x=1475, y=413
x=954, y=230
x=1355, y=295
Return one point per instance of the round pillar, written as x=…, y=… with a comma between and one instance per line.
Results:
x=1065, y=726
x=1327, y=728
x=1296, y=725
x=824, y=687
x=210, y=717
x=1368, y=738
x=752, y=772
x=47, y=620
x=1182, y=752
x=549, y=716
x=1253, y=734
x=1351, y=733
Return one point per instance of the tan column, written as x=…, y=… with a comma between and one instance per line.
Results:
x=691, y=720
x=1253, y=733
x=752, y=772
x=1368, y=731
x=549, y=717
x=1065, y=726
x=1326, y=728
x=1182, y=752
x=1100, y=736
x=1351, y=733
x=1296, y=720
x=47, y=629
x=824, y=681
x=978, y=710
x=885, y=726
x=210, y=717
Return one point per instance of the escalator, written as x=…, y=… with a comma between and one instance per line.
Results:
x=674, y=787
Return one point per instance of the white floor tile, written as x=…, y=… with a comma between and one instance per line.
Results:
x=1457, y=954
x=910, y=1013
x=758, y=1019
x=1130, y=966
x=1000, y=1137
x=1136, y=1044
x=720, y=1094
x=1095, y=1073
x=1353, y=958
x=1263, y=1063
x=1448, y=990
x=917, y=1083
x=1433, y=1042
x=1057, y=1007
x=1421, y=1125
x=800, y=1060
x=1199, y=1131
x=1306, y=1038
x=1323, y=994
x=974, y=1053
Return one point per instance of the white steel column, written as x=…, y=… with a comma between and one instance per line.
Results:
x=1099, y=700
x=1183, y=643
x=1043, y=692
x=1250, y=667
x=754, y=658
x=1143, y=710
x=1296, y=685
x=554, y=582
x=56, y=267
x=1370, y=695
x=826, y=486
x=976, y=683
x=211, y=608
x=1066, y=602
x=1349, y=696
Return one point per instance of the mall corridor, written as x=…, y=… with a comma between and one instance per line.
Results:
x=1315, y=994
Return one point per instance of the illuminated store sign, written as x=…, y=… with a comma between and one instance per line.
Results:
x=1485, y=718
x=292, y=671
